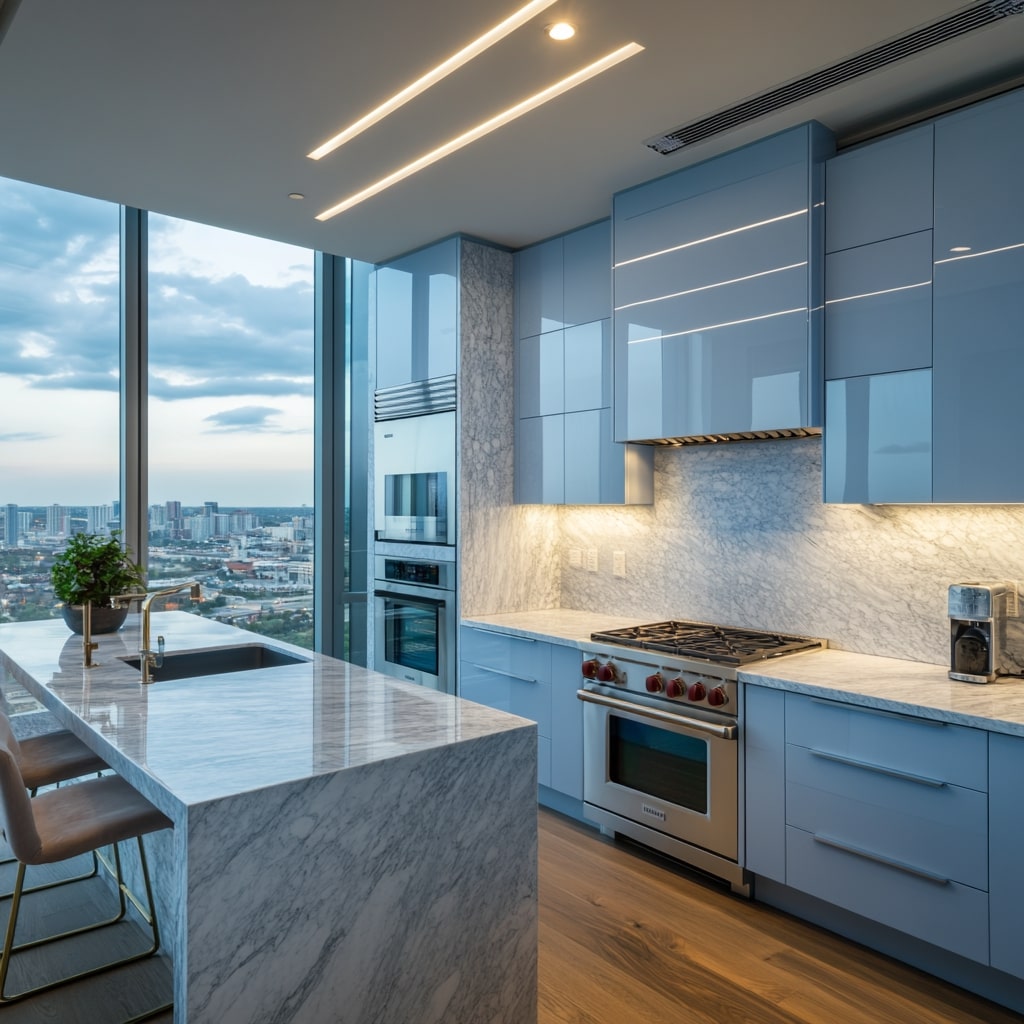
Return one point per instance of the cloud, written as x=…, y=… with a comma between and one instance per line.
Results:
x=25, y=435
x=250, y=419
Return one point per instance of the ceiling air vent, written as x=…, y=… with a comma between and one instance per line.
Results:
x=965, y=20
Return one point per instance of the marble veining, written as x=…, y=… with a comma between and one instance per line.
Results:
x=346, y=847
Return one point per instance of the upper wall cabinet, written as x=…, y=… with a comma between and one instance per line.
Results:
x=565, y=449
x=878, y=321
x=979, y=301
x=717, y=287
x=417, y=315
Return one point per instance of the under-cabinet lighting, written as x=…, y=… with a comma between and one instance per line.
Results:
x=987, y=252
x=881, y=291
x=717, y=284
x=714, y=327
x=486, y=127
x=711, y=238
x=432, y=77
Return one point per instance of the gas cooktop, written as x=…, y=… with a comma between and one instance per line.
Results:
x=723, y=645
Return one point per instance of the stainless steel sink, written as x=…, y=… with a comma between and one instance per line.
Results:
x=217, y=661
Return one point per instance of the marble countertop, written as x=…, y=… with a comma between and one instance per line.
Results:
x=205, y=738
x=905, y=687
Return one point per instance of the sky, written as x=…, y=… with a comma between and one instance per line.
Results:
x=230, y=358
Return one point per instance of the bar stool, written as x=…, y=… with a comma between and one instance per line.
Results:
x=64, y=823
x=47, y=760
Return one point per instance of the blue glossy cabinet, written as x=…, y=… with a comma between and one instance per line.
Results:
x=417, y=315
x=538, y=681
x=878, y=321
x=565, y=449
x=1006, y=835
x=717, y=287
x=979, y=301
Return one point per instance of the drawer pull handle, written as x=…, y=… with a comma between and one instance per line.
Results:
x=506, y=636
x=881, y=769
x=898, y=865
x=507, y=675
x=879, y=711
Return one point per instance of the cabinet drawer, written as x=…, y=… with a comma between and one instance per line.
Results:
x=949, y=915
x=507, y=691
x=936, y=828
x=947, y=753
x=517, y=654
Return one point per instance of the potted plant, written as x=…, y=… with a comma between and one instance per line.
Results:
x=94, y=568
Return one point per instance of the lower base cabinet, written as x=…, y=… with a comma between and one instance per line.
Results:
x=535, y=680
x=910, y=823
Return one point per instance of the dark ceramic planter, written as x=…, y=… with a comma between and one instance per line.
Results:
x=104, y=619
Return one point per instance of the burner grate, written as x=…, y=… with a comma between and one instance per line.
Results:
x=724, y=645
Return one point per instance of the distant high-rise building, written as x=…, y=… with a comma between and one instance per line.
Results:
x=173, y=511
x=11, y=527
x=200, y=527
x=210, y=509
x=221, y=524
x=98, y=518
x=57, y=520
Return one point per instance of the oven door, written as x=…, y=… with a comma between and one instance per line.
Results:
x=669, y=772
x=414, y=634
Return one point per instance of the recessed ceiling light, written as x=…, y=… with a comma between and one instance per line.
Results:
x=485, y=128
x=561, y=30
x=296, y=195
x=453, y=63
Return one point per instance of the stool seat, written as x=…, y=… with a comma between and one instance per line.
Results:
x=56, y=757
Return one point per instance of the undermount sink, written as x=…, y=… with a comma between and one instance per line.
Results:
x=217, y=661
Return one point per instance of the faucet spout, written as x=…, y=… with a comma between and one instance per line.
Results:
x=152, y=659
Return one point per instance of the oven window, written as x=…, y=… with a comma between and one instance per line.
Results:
x=658, y=762
x=411, y=634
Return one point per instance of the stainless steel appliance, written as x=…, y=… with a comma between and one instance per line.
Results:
x=415, y=621
x=662, y=721
x=414, y=455
x=977, y=630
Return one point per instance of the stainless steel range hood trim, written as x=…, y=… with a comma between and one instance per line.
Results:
x=743, y=435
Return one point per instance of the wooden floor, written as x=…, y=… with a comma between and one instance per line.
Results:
x=625, y=938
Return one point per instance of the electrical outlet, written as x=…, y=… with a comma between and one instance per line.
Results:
x=575, y=558
x=618, y=563
x=591, y=559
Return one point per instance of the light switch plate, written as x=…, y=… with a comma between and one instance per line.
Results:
x=591, y=559
x=575, y=558
x=618, y=563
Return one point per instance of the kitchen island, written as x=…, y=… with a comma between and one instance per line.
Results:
x=346, y=847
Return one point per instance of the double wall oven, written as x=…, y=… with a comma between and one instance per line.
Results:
x=662, y=721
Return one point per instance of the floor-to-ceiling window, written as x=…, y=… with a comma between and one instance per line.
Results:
x=59, y=366
x=230, y=424
x=219, y=476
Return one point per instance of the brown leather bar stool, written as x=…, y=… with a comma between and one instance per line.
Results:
x=48, y=760
x=67, y=822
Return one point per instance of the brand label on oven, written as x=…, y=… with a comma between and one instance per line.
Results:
x=653, y=812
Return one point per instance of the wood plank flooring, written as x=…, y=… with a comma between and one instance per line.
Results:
x=625, y=938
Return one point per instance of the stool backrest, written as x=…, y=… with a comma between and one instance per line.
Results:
x=7, y=735
x=19, y=823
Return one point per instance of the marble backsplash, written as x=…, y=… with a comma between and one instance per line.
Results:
x=738, y=534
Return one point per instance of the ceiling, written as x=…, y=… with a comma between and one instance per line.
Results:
x=206, y=109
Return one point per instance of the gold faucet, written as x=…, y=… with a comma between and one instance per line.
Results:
x=148, y=658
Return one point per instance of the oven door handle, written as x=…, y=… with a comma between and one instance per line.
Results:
x=722, y=732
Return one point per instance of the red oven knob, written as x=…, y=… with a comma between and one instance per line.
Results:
x=696, y=692
x=607, y=673
x=654, y=683
x=717, y=697
x=675, y=688
x=589, y=669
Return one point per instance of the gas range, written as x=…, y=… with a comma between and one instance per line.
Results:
x=689, y=663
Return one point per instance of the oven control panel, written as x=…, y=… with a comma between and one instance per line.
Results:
x=678, y=685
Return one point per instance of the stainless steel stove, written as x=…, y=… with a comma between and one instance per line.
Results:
x=662, y=723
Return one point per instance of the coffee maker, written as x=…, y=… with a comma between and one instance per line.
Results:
x=977, y=630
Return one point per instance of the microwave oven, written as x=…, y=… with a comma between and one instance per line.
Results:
x=414, y=479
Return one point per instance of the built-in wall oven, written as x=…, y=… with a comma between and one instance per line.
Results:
x=415, y=620
x=662, y=721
